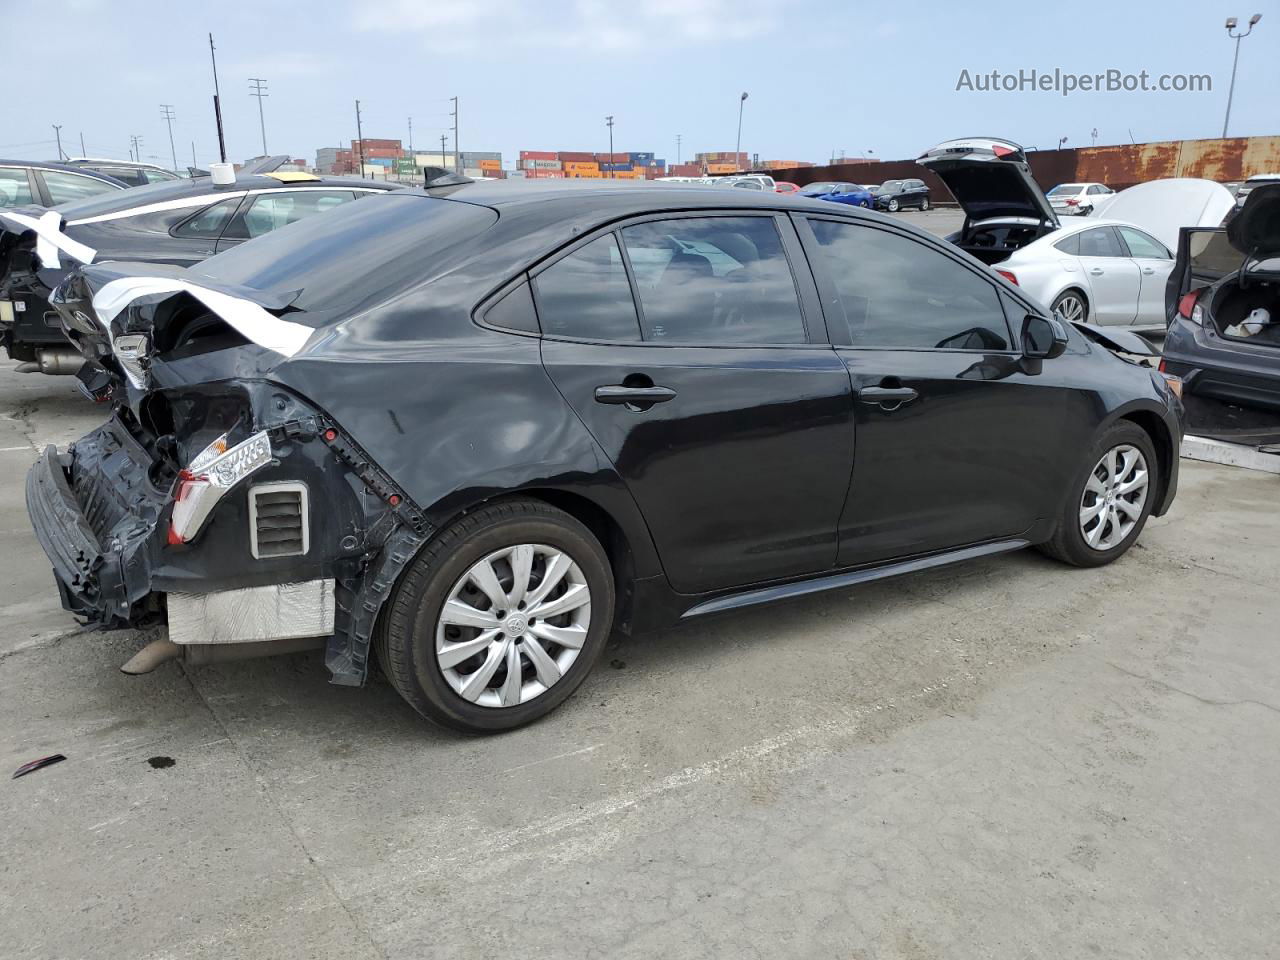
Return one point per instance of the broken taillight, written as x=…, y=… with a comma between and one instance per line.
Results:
x=1073, y=202
x=213, y=472
x=1187, y=306
x=1012, y=278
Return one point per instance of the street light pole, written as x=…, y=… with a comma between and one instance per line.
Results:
x=1237, y=37
x=608, y=122
x=738, y=149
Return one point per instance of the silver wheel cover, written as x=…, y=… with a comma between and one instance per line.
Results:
x=513, y=625
x=1113, y=498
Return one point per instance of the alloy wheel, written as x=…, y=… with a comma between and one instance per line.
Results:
x=1070, y=309
x=513, y=625
x=893, y=206
x=1113, y=498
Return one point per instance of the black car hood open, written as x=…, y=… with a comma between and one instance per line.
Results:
x=1255, y=229
x=989, y=178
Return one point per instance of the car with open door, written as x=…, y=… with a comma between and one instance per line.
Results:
x=178, y=222
x=1223, y=302
x=472, y=436
x=1110, y=268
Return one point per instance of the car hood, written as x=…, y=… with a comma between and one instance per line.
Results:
x=1162, y=207
x=989, y=178
x=1255, y=230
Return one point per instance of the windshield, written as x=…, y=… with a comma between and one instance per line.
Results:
x=354, y=255
x=891, y=186
x=1066, y=188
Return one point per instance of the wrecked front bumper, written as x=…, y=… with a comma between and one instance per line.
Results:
x=104, y=513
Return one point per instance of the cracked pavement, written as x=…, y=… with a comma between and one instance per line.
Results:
x=1004, y=759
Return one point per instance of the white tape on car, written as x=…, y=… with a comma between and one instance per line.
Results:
x=50, y=238
x=245, y=316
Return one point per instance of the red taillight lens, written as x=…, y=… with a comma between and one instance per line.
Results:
x=1187, y=303
x=1008, y=276
x=1160, y=365
x=1000, y=151
x=1073, y=203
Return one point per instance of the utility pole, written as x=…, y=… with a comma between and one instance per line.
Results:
x=193, y=156
x=217, y=103
x=411, y=136
x=1237, y=37
x=83, y=151
x=166, y=112
x=443, y=137
x=359, y=141
x=678, y=160
x=457, y=162
x=259, y=91
x=738, y=149
x=608, y=122
x=1093, y=137
x=57, y=132
x=136, y=152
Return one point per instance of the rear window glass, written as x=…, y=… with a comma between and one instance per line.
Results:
x=1067, y=188
x=355, y=254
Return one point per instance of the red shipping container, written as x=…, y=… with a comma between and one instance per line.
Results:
x=612, y=157
x=538, y=155
x=575, y=157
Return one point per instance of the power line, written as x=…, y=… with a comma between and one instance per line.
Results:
x=259, y=91
x=166, y=113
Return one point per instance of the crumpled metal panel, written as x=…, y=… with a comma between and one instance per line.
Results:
x=277, y=612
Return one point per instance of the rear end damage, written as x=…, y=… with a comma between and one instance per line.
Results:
x=213, y=497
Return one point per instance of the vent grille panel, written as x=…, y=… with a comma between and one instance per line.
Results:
x=278, y=520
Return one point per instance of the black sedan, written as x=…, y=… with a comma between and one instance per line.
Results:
x=177, y=222
x=477, y=434
x=26, y=183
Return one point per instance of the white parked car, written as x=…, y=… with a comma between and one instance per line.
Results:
x=1254, y=181
x=1109, y=271
x=1076, y=199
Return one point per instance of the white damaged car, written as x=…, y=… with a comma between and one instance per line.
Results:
x=1108, y=268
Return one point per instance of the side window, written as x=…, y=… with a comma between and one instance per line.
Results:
x=1069, y=245
x=1100, y=242
x=1140, y=245
x=159, y=176
x=130, y=175
x=899, y=293
x=15, y=189
x=1094, y=190
x=209, y=222
x=65, y=187
x=714, y=280
x=279, y=208
x=514, y=311
x=587, y=295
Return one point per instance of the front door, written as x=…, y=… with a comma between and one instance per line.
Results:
x=693, y=364
x=1113, y=276
x=955, y=432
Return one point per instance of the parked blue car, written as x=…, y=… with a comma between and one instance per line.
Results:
x=853, y=194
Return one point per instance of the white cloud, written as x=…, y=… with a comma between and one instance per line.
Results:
x=282, y=64
x=585, y=26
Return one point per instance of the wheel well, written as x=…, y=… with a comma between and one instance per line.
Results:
x=1161, y=440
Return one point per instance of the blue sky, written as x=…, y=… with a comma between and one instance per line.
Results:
x=822, y=76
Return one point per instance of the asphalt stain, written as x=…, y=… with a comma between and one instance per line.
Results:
x=159, y=763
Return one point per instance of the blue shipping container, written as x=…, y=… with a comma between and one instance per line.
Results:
x=610, y=167
x=380, y=161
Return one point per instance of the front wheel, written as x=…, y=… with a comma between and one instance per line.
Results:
x=1109, y=501
x=499, y=618
x=893, y=206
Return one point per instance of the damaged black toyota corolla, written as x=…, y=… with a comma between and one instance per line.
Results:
x=479, y=433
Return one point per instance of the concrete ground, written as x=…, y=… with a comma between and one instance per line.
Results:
x=1005, y=759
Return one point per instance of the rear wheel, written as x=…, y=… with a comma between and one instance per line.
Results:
x=924, y=204
x=1109, y=501
x=499, y=619
x=1071, y=307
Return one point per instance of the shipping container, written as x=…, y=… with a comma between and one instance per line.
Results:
x=517, y=174
x=722, y=168
x=538, y=155
x=581, y=166
x=576, y=157
x=616, y=166
x=685, y=170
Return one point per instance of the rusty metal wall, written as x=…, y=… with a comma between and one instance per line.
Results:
x=1119, y=166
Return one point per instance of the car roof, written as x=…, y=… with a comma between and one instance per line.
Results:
x=620, y=198
x=48, y=165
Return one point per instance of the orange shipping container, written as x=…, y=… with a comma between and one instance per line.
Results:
x=722, y=168
x=581, y=166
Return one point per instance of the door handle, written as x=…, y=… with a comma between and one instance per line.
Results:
x=620, y=394
x=883, y=395
x=1096, y=272
x=1147, y=271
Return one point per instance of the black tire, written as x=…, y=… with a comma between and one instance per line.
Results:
x=1068, y=542
x=924, y=204
x=406, y=632
x=1077, y=294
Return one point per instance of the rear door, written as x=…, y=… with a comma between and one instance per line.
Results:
x=1154, y=262
x=692, y=349
x=957, y=435
x=1112, y=275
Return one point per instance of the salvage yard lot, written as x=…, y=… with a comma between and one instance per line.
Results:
x=1005, y=759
